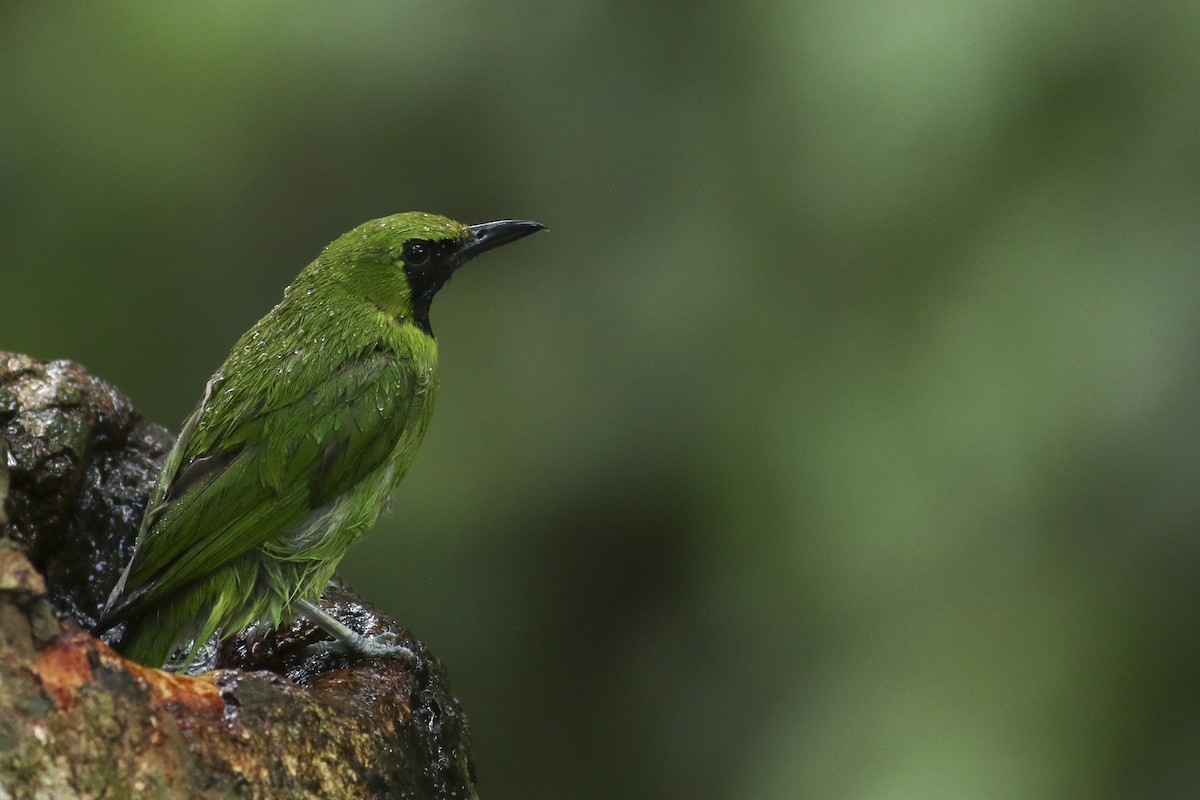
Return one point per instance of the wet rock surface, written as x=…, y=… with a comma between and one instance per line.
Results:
x=77, y=462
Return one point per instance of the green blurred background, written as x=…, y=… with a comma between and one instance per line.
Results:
x=840, y=439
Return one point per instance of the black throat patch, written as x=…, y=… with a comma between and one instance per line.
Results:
x=428, y=264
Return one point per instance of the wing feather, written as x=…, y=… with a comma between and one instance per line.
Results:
x=241, y=478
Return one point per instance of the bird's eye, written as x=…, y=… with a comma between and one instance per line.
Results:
x=416, y=254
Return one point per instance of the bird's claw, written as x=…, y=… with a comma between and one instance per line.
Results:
x=379, y=646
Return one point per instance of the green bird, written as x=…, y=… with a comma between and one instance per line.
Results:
x=297, y=444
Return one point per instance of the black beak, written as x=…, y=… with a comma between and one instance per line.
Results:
x=490, y=235
x=450, y=255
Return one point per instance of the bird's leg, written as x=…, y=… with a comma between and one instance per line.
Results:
x=347, y=639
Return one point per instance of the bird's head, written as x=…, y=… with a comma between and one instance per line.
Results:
x=400, y=262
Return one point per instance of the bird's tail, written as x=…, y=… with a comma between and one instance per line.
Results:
x=153, y=637
x=170, y=633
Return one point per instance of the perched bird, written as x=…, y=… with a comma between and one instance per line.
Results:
x=299, y=439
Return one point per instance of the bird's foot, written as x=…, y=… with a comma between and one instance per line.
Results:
x=384, y=644
x=348, y=640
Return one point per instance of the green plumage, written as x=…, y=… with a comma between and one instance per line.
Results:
x=300, y=438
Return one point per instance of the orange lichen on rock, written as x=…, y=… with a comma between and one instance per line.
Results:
x=67, y=664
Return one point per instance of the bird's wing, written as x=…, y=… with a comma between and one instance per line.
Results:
x=265, y=471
